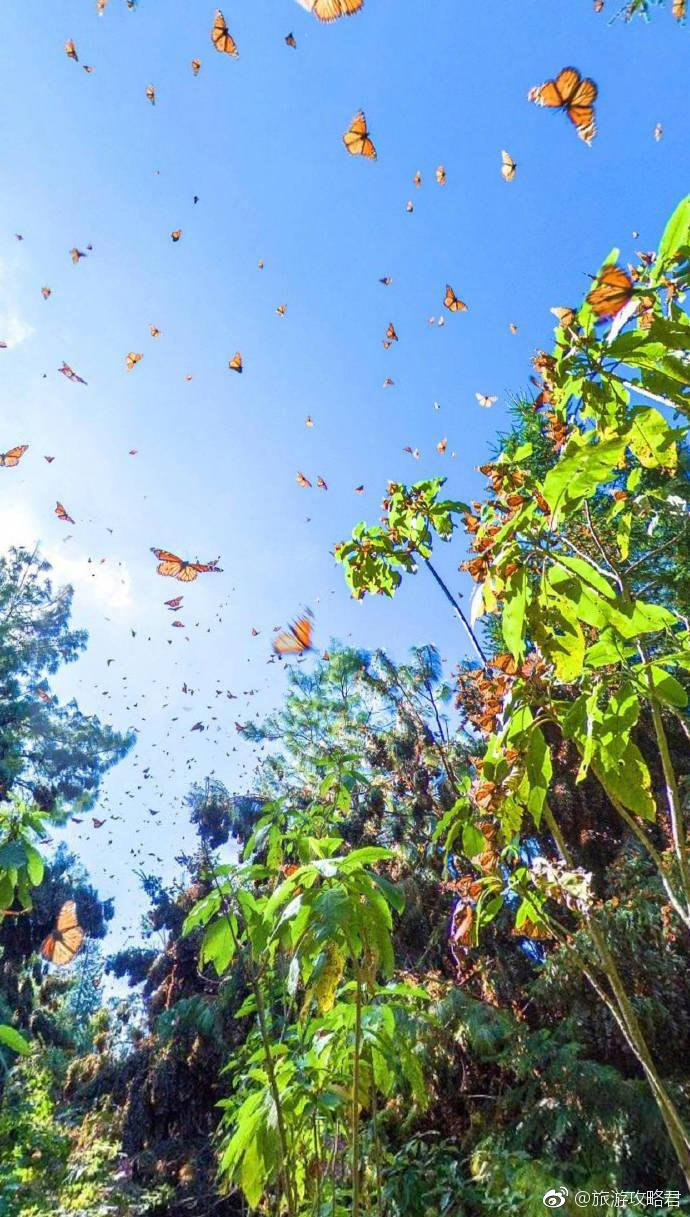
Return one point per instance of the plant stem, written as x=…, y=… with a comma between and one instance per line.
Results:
x=468, y=628
x=355, y=1099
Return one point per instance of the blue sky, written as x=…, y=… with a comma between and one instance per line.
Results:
x=87, y=160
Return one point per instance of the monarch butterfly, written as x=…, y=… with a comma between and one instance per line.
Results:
x=235, y=364
x=357, y=139
x=290, y=41
x=309, y=421
x=452, y=302
x=8, y=460
x=391, y=334
x=62, y=514
x=409, y=206
x=386, y=280
x=485, y=401
x=417, y=179
x=178, y=568
x=281, y=310
x=67, y=371
x=62, y=944
x=331, y=10
x=679, y=9
x=322, y=485
x=174, y=604
x=75, y=254
x=441, y=175
x=175, y=236
x=132, y=360
x=221, y=37
x=295, y=640
x=49, y=459
x=151, y=94
x=508, y=167
x=612, y=290
x=571, y=93
x=196, y=66
x=71, y=51
x=46, y=292
x=565, y=316
x=155, y=332
x=302, y=481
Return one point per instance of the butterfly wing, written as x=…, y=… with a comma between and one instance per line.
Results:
x=168, y=564
x=13, y=457
x=452, y=302
x=221, y=37
x=612, y=290
x=331, y=10
x=568, y=82
x=67, y=917
x=357, y=139
x=302, y=631
x=235, y=364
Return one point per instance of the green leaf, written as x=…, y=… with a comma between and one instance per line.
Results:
x=513, y=616
x=218, y=944
x=12, y=855
x=666, y=688
x=34, y=865
x=676, y=235
x=473, y=842
x=13, y=1040
x=652, y=440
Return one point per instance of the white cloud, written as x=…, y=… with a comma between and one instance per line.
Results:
x=13, y=330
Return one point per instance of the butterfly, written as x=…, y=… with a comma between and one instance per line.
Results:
x=508, y=166
x=8, y=460
x=409, y=206
x=235, y=364
x=357, y=139
x=75, y=254
x=485, y=401
x=177, y=568
x=151, y=94
x=386, y=280
x=71, y=51
x=174, y=604
x=565, y=316
x=295, y=640
x=46, y=292
x=281, y=310
x=196, y=66
x=391, y=334
x=132, y=360
x=322, y=485
x=62, y=944
x=309, y=421
x=331, y=10
x=612, y=290
x=571, y=93
x=302, y=481
x=62, y=514
x=290, y=41
x=679, y=9
x=442, y=445
x=67, y=371
x=417, y=179
x=175, y=236
x=221, y=37
x=359, y=489
x=155, y=332
x=49, y=459
x=452, y=302
x=441, y=175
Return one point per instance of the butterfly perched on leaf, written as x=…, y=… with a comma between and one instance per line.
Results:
x=296, y=639
x=357, y=139
x=331, y=10
x=221, y=37
x=235, y=364
x=132, y=360
x=62, y=514
x=571, y=93
x=452, y=302
x=508, y=166
x=62, y=944
x=170, y=566
x=9, y=459
x=612, y=290
x=485, y=401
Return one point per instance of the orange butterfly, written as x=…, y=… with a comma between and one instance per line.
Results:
x=235, y=364
x=174, y=604
x=221, y=37
x=61, y=946
x=178, y=568
x=71, y=51
x=155, y=332
x=295, y=640
x=571, y=93
x=302, y=481
x=175, y=236
x=357, y=139
x=322, y=485
x=508, y=166
x=75, y=254
x=62, y=514
x=290, y=41
x=196, y=66
x=151, y=94
x=452, y=302
x=8, y=460
x=612, y=290
x=391, y=334
x=132, y=360
x=46, y=292
x=281, y=310
x=331, y=10
x=441, y=175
